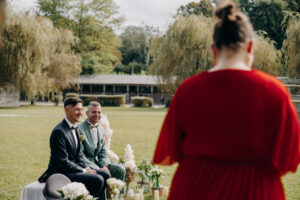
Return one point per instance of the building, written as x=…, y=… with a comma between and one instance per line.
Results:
x=129, y=85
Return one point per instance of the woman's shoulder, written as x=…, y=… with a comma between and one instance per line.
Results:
x=269, y=81
x=192, y=80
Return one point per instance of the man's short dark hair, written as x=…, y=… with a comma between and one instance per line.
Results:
x=72, y=101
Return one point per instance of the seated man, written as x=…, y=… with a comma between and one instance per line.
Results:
x=66, y=157
x=93, y=145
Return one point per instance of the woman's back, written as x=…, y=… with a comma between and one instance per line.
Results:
x=238, y=114
x=235, y=130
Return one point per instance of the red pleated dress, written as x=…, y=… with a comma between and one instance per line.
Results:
x=233, y=133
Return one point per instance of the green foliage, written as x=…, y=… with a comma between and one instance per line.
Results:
x=36, y=57
x=143, y=170
x=168, y=102
x=183, y=51
x=204, y=7
x=92, y=22
x=104, y=100
x=291, y=45
x=267, y=57
x=132, y=68
x=142, y=101
x=267, y=16
x=70, y=94
x=135, y=41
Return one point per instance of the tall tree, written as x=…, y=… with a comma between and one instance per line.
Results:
x=135, y=40
x=267, y=16
x=93, y=23
x=36, y=57
x=204, y=7
x=291, y=45
x=185, y=51
x=57, y=11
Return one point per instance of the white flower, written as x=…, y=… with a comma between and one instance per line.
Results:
x=113, y=157
x=74, y=190
x=129, y=158
x=115, y=183
x=156, y=170
x=116, y=191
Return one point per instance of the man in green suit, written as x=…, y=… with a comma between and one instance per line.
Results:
x=93, y=145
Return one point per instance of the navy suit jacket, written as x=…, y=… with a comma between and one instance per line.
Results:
x=65, y=156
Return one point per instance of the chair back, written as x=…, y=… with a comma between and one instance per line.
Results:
x=55, y=182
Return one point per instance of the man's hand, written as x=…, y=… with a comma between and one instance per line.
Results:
x=105, y=169
x=90, y=171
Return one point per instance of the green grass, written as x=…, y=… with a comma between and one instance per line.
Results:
x=24, y=143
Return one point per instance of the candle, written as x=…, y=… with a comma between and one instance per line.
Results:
x=156, y=195
x=165, y=191
x=137, y=196
x=141, y=191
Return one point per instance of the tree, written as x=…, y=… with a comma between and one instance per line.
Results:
x=57, y=11
x=267, y=16
x=291, y=45
x=204, y=7
x=92, y=22
x=267, y=57
x=135, y=40
x=36, y=57
x=132, y=68
x=185, y=51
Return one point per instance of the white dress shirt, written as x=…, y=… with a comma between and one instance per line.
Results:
x=73, y=131
x=94, y=133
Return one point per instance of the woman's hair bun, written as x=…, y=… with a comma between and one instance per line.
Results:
x=225, y=11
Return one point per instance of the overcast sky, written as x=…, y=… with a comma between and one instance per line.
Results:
x=157, y=13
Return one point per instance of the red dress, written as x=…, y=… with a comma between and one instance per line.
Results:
x=234, y=133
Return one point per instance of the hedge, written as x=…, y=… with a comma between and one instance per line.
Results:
x=71, y=94
x=142, y=101
x=104, y=100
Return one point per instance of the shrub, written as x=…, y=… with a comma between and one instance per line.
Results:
x=142, y=101
x=168, y=102
x=72, y=94
x=104, y=100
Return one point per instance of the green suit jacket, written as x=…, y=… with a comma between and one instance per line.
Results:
x=93, y=157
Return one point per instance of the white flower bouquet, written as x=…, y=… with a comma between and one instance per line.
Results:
x=156, y=173
x=129, y=165
x=115, y=186
x=75, y=191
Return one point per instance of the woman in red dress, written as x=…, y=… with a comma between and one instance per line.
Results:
x=233, y=130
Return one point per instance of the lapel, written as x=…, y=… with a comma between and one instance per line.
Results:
x=69, y=134
x=89, y=135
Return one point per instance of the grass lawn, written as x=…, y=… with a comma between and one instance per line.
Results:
x=24, y=143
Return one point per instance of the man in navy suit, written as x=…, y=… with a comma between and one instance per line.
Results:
x=66, y=157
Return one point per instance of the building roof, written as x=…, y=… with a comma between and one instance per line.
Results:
x=118, y=79
x=141, y=80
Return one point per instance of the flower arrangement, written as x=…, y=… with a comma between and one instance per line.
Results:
x=129, y=162
x=143, y=171
x=115, y=186
x=75, y=191
x=130, y=166
x=156, y=173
